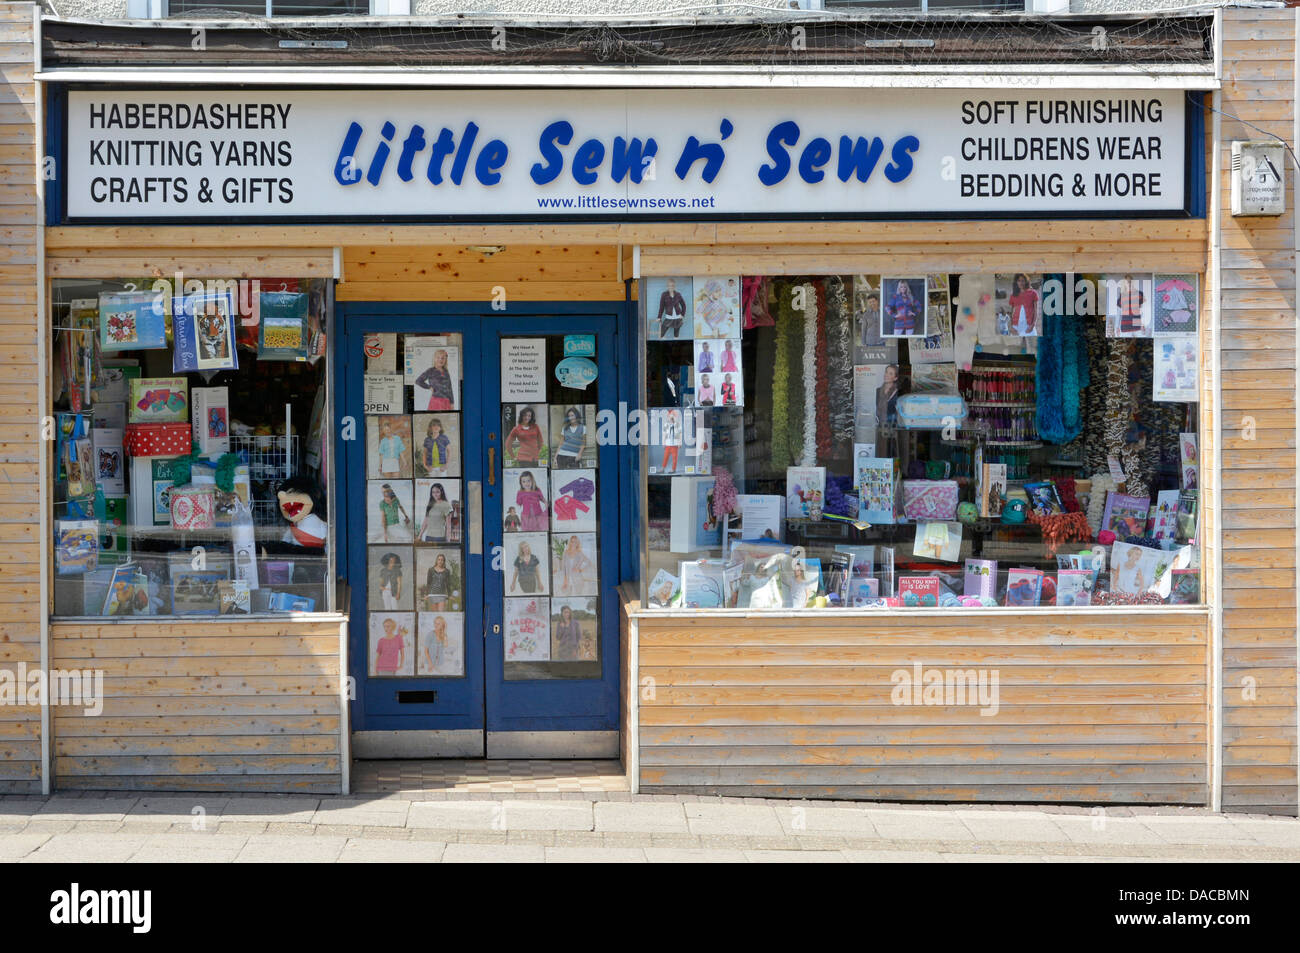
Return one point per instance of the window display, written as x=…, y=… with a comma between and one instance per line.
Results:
x=191, y=447
x=415, y=589
x=908, y=440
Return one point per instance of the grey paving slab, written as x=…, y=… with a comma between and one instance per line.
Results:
x=178, y=808
x=919, y=825
x=456, y=815
x=178, y=855
x=1200, y=830
x=86, y=849
x=795, y=857
x=1101, y=830
x=273, y=848
x=87, y=809
x=1283, y=832
x=359, y=851
x=595, y=855
x=892, y=856
x=17, y=846
x=694, y=855
x=363, y=813
x=494, y=854
x=736, y=819
x=284, y=810
x=1022, y=826
x=650, y=818
x=548, y=815
x=812, y=821
x=992, y=858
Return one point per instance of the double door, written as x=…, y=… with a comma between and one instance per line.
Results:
x=481, y=535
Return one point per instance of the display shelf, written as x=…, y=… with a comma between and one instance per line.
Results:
x=1007, y=405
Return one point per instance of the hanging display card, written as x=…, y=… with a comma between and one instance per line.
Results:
x=523, y=370
x=204, y=331
x=282, y=333
x=131, y=321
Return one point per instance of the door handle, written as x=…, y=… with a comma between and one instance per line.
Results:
x=492, y=466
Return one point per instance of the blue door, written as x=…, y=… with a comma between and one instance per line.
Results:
x=481, y=522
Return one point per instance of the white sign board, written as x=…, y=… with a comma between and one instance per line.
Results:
x=189, y=155
x=523, y=370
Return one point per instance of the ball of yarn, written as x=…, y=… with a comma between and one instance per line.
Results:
x=988, y=601
x=1105, y=537
x=948, y=599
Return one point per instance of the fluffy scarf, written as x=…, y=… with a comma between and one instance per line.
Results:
x=1062, y=371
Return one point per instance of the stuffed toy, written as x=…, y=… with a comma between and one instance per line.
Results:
x=301, y=504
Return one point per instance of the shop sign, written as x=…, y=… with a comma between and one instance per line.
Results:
x=335, y=155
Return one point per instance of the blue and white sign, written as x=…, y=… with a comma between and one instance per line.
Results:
x=580, y=345
x=576, y=372
x=620, y=154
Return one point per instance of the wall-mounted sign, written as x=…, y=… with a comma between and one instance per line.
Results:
x=620, y=154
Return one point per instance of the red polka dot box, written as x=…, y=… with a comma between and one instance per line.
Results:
x=158, y=440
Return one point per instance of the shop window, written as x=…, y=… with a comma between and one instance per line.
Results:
x=190, y=448
x=912, y=440
x=205, y=9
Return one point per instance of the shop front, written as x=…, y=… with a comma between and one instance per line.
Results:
x=858, y=445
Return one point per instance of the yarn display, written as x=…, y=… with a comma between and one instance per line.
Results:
x=807, y=451
x=839, y=360
x=780, y=451
x=822, y=388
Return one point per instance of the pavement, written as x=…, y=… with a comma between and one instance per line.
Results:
x=580, y=828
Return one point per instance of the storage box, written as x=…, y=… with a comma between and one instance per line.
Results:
x=930, y=499
x=158, y=440
x=930, y=411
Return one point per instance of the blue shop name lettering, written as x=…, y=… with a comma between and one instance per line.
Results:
x=630, y=159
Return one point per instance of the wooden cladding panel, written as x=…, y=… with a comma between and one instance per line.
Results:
x=1092, y=708
x=1258, y=359
x=20, y=727
x=461, y=273
x=208, y=706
